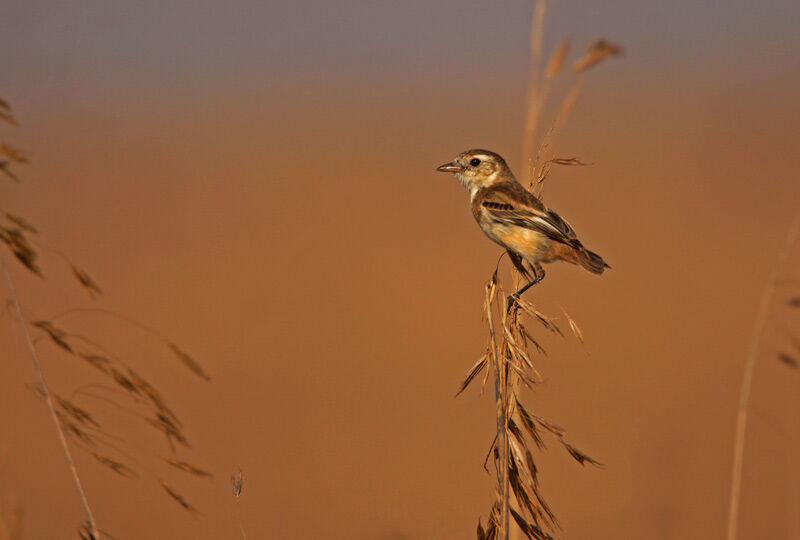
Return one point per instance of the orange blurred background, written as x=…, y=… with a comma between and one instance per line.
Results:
x=256, y=181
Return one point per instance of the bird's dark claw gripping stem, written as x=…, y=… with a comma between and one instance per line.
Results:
x=538, y=276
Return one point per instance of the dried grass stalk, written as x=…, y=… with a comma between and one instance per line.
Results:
x=747, y=379
x=114, y=465
x=92, y=527
x=14, y=154
x=476, y=369
x=189, y=362
x=56, y=335
x=6, y=116
x=22, y=249
x=598, y=51
x=788, y=359
x=86, y=281
x=79, y=414
x=576, y=331
x=20, y=222
x=5, y=113
x=557, y=60
x=237, y=482
x=75, y=423
x=517, y=494
x=177, y=497
x=5, y=167
x=568, y=161
x=536, y=95
x=189, y=468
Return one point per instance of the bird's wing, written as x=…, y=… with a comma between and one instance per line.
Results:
x=517, y=206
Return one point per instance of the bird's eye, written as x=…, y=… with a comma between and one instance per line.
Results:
x=475, y=162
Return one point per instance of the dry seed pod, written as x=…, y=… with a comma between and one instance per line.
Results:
x=600, y=50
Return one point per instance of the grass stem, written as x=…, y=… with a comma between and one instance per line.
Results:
x=747, y=379
x=49, y=400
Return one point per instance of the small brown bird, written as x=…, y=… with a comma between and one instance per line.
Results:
x=515, y=218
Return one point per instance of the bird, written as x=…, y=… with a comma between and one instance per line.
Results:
x=518, y=220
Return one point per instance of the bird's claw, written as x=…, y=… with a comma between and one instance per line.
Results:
x=511, y=300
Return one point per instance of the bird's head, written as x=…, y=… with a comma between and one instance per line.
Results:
x=477, y=169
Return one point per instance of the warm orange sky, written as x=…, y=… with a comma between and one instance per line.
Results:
x=257, y=183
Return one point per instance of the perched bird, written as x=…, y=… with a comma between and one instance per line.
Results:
x=515, y=218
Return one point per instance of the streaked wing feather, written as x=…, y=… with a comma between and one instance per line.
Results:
x=519, y=207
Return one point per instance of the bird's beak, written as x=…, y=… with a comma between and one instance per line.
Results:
x=452, y=167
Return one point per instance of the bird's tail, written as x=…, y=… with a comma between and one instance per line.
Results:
x=592, y=261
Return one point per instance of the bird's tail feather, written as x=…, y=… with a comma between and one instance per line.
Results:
x=592, y=261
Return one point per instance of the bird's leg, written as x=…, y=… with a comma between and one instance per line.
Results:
x=538, y=275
